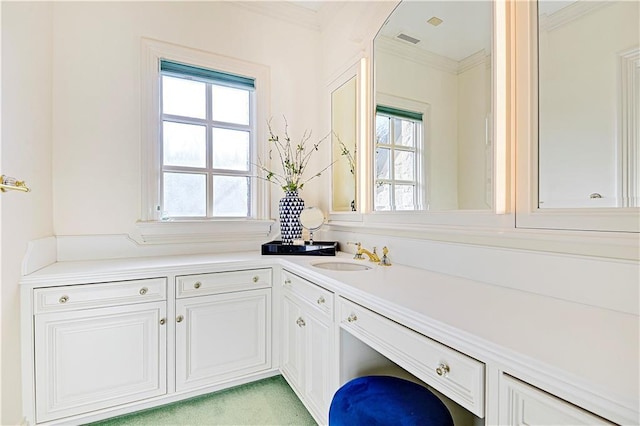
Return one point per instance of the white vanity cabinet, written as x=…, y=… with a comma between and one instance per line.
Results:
x=308, y=350
x=98, y=346
x=223, y=326
x=523, y=404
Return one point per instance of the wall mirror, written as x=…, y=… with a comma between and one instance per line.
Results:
x=433, y=95
x=344, y=127
x=588, y=104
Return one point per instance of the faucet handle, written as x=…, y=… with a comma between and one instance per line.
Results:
x=385, y=259
x=358, y=251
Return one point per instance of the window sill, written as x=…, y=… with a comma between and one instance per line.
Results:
x=202, y=231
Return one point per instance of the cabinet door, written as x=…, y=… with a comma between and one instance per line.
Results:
x=221, y=337
x=318, y=350
x=96, y=358
x=307, y=348
x=292, y=343
x=523, y=404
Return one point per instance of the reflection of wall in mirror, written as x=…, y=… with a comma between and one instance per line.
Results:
x=579, y=103
x=343, y=124
x=459, y=97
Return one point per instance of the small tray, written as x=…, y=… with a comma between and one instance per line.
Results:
x=318, y=248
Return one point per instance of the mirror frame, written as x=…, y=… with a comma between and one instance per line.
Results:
x=528, y=214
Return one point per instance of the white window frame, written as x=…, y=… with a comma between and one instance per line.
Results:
x=151, y=228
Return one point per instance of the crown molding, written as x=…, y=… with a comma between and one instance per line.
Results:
x=570, y=13
x=285, y=11
x=411, y=53
x=481, y=57
x=414, y=54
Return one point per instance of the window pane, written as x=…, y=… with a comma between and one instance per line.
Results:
x=382, y=129
x=230, y=149
x=403, y=132
x=383, y=196
x=230, y=105
x=185, y=194
x=184, y=144
x=404, y=197
x=383, y=163
x=183, y=97
x=404, y=165
x=230, y=196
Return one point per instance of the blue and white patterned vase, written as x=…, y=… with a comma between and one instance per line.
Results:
x=291, y=205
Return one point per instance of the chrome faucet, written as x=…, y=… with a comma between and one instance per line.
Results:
x=373, y=257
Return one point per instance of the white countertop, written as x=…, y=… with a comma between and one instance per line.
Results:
x=593, y=350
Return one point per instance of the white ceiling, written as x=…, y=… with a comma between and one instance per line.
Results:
x=465, y=30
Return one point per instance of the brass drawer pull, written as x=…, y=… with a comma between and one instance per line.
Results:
x=300, y=322
x=64, y=299
x=162, y=321
x=143, y=291
x=197, y=284
x=352, y=318
x=321, y=300
x=287, y=282
x=179, y=318
x=443, y=369
x=256, y=279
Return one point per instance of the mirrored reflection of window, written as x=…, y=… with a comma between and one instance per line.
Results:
x=206, y=142
x=399, y=142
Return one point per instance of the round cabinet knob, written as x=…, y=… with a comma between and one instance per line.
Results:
x=300, y=322
x=179, y=318
x=442, y=370
x=256, y=279
x=287, y=282
x=352, y=318
x=64, y=299
x=143, y=291
x=162, y=321
x=321, y=300
x=197, y=284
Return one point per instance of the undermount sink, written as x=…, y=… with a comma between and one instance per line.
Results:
x=341, y=266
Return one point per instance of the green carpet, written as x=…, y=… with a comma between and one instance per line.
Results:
x=265, y=402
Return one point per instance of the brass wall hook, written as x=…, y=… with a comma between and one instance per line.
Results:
x=8, y=183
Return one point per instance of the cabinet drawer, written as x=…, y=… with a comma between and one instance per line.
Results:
x=222, y=282
x=84, y=296
x=456, y=375
x=523, y=404
x=318, y=298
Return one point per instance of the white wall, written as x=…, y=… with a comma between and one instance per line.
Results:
x=26, y=154
x=96, y=94
x=579, y=106
x=474, y=153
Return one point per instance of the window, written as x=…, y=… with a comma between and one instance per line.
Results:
x=197, y=156
x=399, y=144
x=207, y=142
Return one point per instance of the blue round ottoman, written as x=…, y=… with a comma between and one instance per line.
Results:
x=385, y=400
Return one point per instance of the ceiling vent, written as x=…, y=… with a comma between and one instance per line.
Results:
x=407, y=38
